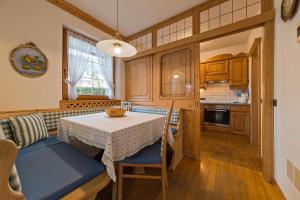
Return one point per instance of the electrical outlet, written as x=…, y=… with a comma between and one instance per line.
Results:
x=290, y=170
x=297, y=178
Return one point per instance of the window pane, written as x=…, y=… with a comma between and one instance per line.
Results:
x=92, y=81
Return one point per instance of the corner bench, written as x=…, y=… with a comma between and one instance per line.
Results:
x=50, y=169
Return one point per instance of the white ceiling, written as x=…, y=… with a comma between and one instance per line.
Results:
x=134, y=15
x=223, y=42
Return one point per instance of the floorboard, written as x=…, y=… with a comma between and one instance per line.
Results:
x=208, y=179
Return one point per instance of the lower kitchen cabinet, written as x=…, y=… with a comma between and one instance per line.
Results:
x=240, y=120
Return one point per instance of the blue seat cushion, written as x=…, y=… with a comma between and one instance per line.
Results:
x=148, y=155
x=174, y=131
x=51, y=169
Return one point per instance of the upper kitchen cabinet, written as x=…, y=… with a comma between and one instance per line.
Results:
x=226, y=67
x=217, y=68
x=202, y=76
x=139, y=79
x=177, y=74
x=239, y=72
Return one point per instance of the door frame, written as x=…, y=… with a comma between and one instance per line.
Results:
x=256, y=94
x=267, y=87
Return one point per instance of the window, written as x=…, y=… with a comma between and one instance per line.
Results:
x=92, y=81
x=85, y=67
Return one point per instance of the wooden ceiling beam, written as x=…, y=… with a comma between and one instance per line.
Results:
x=73, y=10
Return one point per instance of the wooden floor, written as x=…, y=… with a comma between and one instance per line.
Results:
x=206, y=179
x=230, y=148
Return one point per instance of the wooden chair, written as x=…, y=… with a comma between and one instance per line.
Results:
x=153, y=156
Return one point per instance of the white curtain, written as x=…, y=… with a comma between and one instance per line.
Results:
x=107, y=71
x=79, y=52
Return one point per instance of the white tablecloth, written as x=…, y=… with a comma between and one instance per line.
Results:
x=119, y=137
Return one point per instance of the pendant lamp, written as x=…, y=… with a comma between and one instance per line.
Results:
x=116, y=47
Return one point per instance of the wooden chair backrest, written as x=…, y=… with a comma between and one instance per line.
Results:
x=164, y=139
x=8, y=154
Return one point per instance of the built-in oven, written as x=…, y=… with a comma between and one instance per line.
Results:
x=217, y=115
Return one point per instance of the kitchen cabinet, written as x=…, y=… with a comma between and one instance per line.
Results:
x=226, y=67
x=240, y=120
x=202, y=76
x=139, y=79
x=239, y=73
x=217, y=71
x=217, y=68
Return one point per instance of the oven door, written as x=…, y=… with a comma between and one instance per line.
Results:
x=217, y=117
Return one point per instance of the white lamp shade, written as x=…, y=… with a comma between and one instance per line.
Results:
x=123, y=49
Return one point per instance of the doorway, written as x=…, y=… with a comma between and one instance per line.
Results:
x=230, y=98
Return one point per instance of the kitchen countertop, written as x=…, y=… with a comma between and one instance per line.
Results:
x=232, y=104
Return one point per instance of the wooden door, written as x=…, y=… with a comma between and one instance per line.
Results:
x=182, y=61
x=139, y=79
x=239, y=72
x=202, y=76
x=255, y=56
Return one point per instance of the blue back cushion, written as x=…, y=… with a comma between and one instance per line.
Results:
x=51, y=169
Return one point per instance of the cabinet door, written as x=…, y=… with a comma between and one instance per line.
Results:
x=202, y=76
x=139, y=79
x=217, y=68
x=177, y=74
x=239, y=72
x=240, y=123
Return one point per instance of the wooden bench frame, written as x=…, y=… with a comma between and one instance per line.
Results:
x=8, y=154
x=177, y=147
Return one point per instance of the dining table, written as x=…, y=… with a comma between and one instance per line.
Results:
x=119, y=137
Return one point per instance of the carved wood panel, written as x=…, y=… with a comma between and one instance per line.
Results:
x=139, y=79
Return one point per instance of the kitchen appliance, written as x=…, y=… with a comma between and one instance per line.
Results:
x=217, y=115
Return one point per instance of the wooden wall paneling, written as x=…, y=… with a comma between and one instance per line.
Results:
x=255, y=55
x=139, y=79
x=267, y=102
x=236, y=27
x=73, y=10
x=180, y=64
x=267, y=5
x=189, y=140
x=197, y=124
x=185, y=52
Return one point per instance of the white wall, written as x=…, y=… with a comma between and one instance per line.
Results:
x=287, y=82
x=40, y=22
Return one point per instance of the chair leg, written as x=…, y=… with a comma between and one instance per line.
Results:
x=165, y=176
x=120, y=183
x=163, y=188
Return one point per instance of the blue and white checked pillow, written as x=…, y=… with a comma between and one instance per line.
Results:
x=14, y=180
x=28, y=129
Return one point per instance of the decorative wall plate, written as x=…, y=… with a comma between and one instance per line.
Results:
x=29, y=61
x=288, y=9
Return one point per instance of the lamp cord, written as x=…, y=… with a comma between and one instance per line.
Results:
x=118, y=16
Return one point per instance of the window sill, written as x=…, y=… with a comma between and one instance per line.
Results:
x=91, y=97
